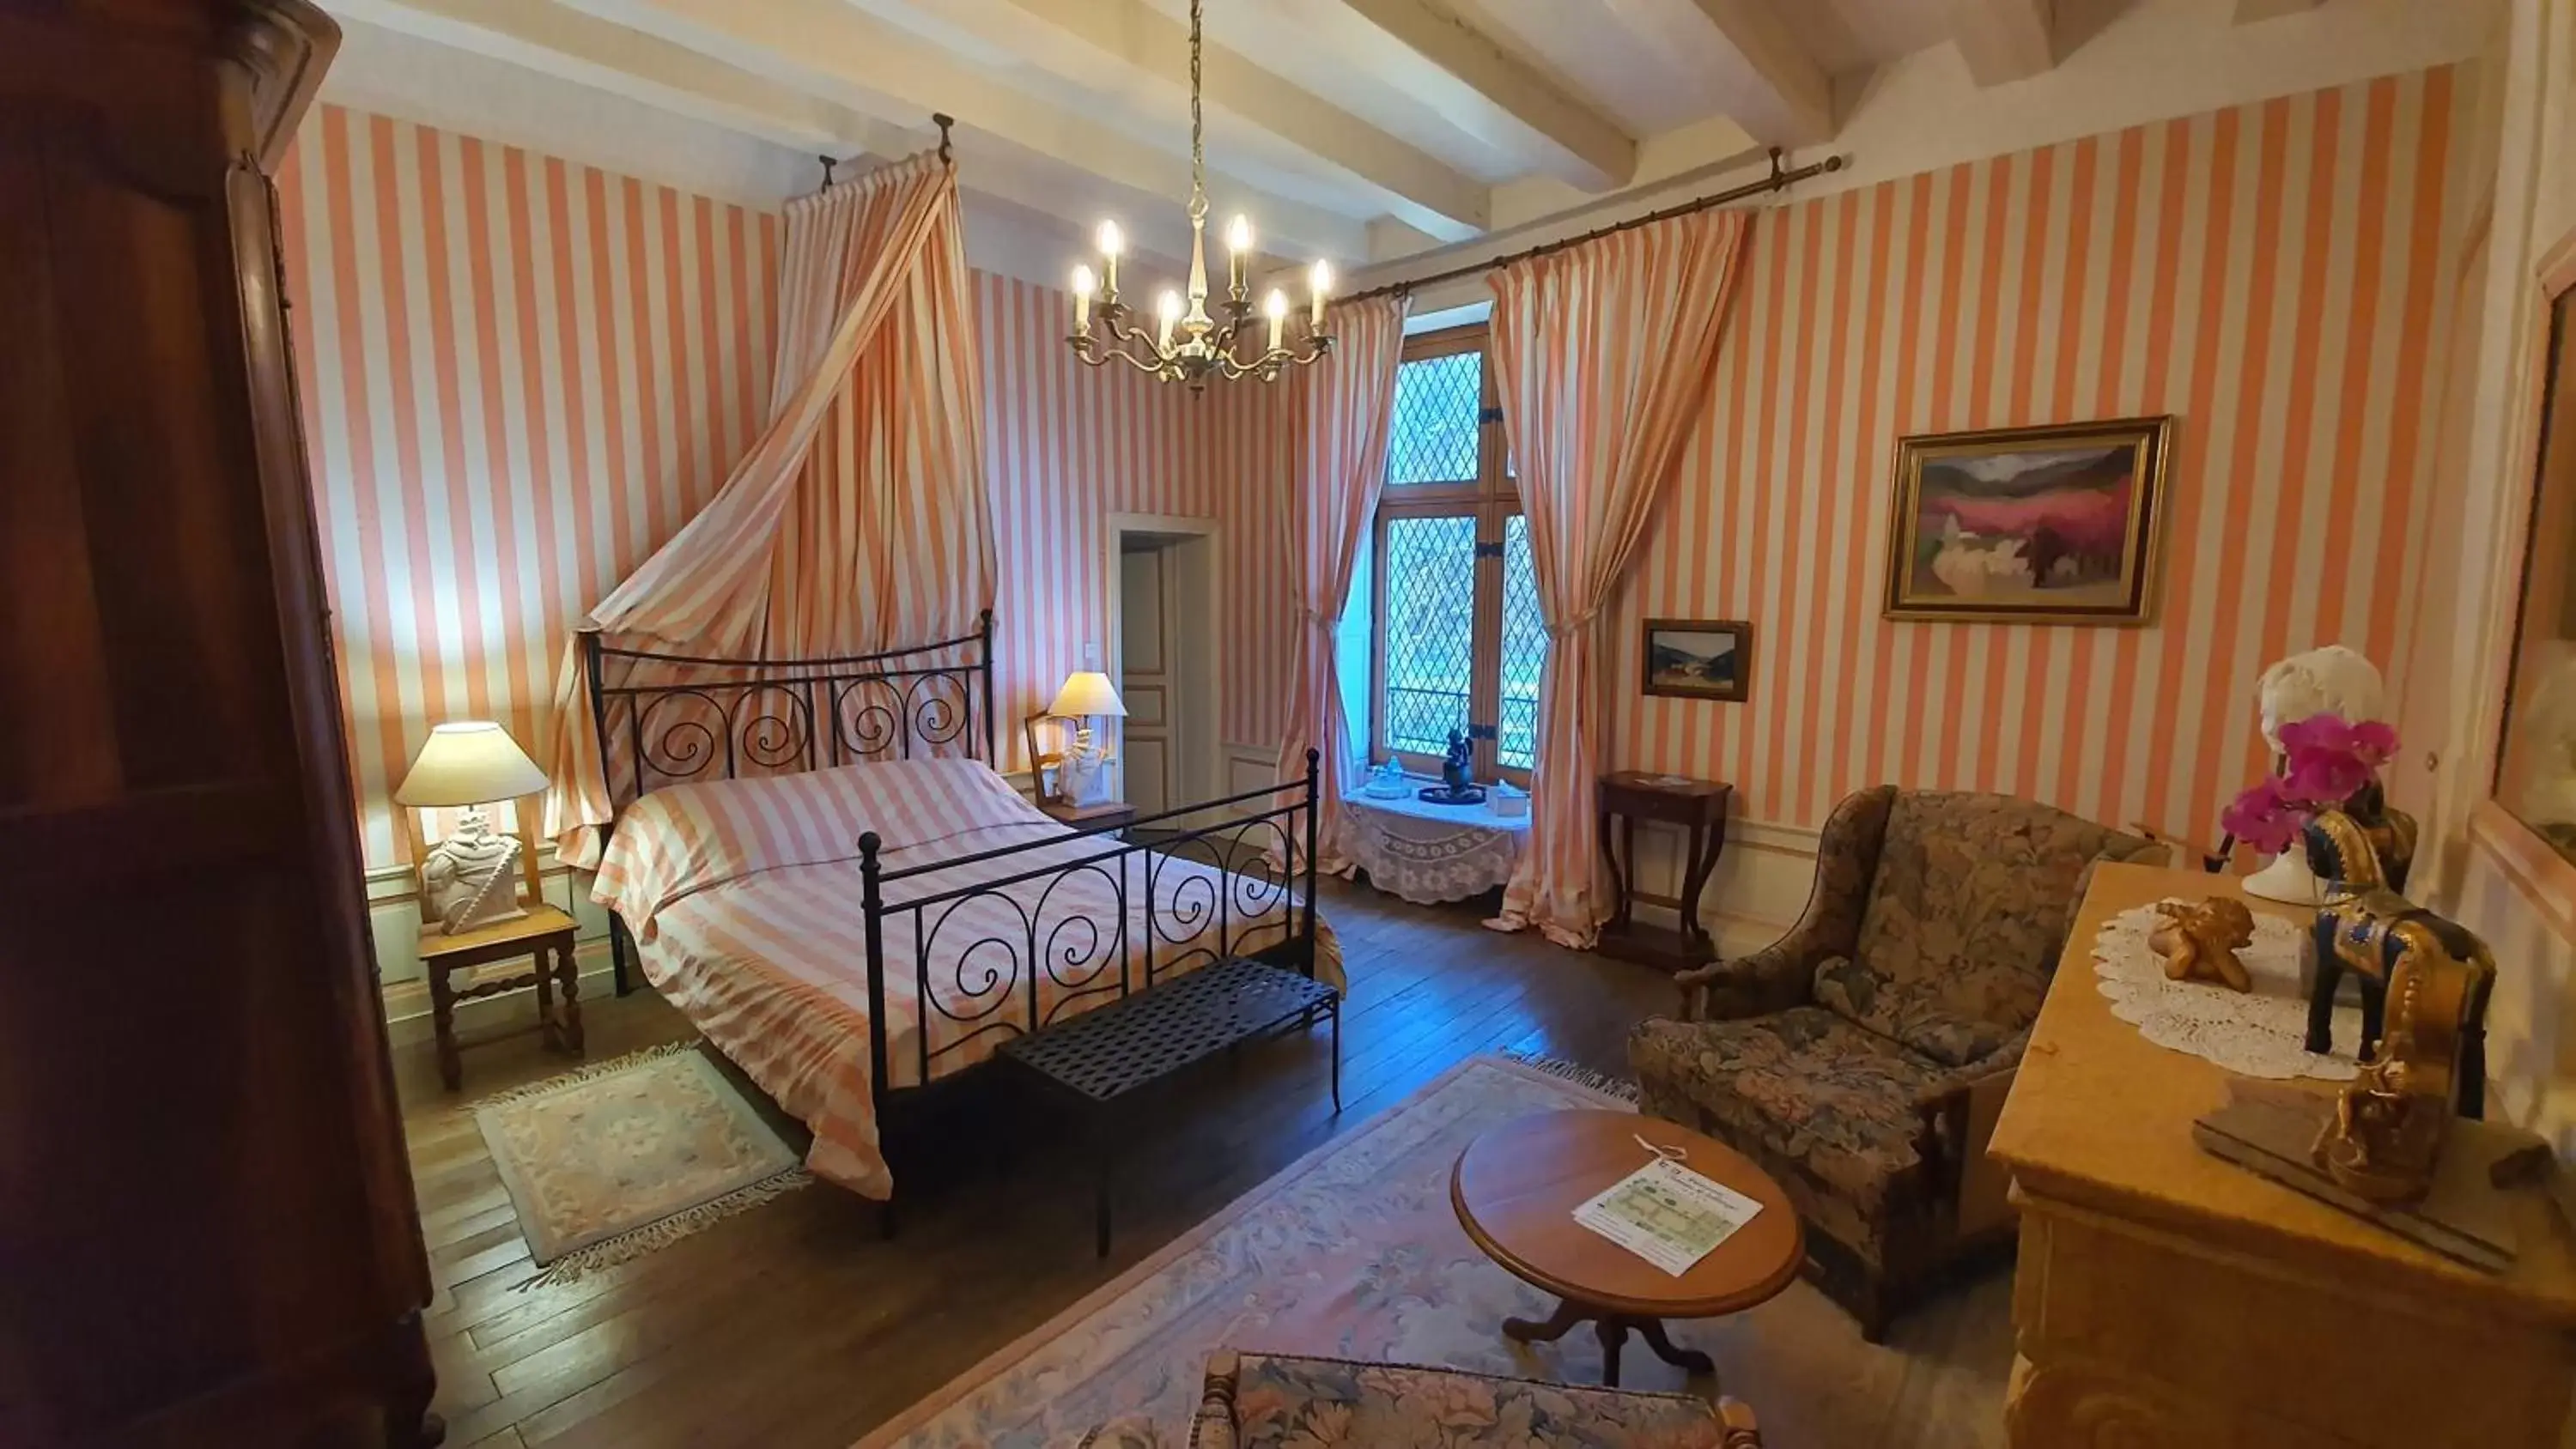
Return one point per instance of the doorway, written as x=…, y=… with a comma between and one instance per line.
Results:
x=1163, y=637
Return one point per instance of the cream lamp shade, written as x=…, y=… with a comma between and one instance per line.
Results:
x=469, y=762
x=1087, y=692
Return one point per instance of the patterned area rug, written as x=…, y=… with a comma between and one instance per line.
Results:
x=629, y=1155
x=1355, y=1253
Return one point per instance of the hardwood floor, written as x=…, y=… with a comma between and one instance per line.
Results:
x=796, y=1325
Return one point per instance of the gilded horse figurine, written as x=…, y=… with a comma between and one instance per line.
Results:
x=2438, y=970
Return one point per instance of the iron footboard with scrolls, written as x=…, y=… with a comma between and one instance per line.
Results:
x=1034, y=946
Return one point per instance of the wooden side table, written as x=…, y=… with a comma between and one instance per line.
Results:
x=1700, y=807
x=1113, y=815
x=1515, y=1190
x=544, y=934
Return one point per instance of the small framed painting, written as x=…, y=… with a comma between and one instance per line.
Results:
x=2049, y=525
x=1698, y=658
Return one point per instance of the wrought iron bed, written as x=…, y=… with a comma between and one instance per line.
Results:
x=664, y=719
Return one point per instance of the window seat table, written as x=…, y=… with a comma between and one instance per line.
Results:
x=1428, y=853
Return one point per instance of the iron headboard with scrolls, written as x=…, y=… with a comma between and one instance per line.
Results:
x=701, y=718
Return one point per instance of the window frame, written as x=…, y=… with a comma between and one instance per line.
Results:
x=1491, y=499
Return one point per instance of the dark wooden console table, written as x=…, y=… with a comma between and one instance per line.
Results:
x=1699, y=807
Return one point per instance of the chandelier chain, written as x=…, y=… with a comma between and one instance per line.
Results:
x=1198, y=145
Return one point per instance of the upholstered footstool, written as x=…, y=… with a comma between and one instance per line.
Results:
x=1261, y=1400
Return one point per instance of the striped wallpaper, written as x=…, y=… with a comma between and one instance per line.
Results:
x=2270, y=274
x=519, y=376
x=1066, y=446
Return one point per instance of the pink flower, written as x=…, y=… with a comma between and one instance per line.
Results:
x=2330, y=758
x=2265, y=816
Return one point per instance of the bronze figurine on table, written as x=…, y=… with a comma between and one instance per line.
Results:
x=2429, y=978
x=2199, y=941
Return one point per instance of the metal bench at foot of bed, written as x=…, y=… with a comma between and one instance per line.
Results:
x=1101, y=1056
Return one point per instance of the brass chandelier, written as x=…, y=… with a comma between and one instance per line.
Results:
x=1185, y=344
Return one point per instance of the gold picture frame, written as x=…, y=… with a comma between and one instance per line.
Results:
x=1973, y=535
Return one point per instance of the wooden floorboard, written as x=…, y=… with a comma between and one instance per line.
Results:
x=795, y=1325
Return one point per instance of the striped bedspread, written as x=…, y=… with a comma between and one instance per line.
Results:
x=743, y=897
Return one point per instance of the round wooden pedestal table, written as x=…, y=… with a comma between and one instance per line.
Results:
x=1516, y=1189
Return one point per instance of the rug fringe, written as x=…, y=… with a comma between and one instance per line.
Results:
x=548, y=1086
x=660, y=1234
x=1577, y=1073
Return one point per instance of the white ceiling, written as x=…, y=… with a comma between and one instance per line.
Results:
x=1356, y=129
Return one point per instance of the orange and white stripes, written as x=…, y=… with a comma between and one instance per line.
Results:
x=519, y=376
x=1341, y=408
x=1066, y=446
x=1601, y=358
x=2270, y=274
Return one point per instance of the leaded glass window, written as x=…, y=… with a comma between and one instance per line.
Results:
x=1459, y=642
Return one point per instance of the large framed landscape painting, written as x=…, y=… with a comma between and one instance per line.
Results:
x=2049, y=525
x=1698, y=658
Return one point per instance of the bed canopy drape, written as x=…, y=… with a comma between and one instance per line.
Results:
x=858, y=520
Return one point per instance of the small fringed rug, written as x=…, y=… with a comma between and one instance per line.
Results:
x=626, y=1156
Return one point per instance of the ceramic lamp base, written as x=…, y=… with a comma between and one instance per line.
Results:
x=2287, y=880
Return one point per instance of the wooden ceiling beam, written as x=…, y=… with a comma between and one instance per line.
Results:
x=1780, y=96
x=1492, y=95
x=1411, y=185
x=587, y=51
x=830, y=49
x=2004, y=40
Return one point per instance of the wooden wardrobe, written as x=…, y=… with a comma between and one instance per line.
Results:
x=207, y=1231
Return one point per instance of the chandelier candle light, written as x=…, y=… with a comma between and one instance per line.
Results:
x=1187, y=345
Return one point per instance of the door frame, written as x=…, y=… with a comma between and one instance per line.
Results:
x=1201, y=726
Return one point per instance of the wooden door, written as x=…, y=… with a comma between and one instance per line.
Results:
x=1145, y=630
x=207, y=1233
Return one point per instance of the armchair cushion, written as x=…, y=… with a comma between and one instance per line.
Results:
x=1823, y=1105
x=1965, y=917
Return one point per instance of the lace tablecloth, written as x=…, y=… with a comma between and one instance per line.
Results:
x=1430, y=853
x=2258, y=1033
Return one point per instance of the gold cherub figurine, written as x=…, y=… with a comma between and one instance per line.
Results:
x=2199, y=941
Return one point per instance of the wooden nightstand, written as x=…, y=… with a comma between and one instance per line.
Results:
x=1699, y=807
x=544, y=933
x=1114, y=815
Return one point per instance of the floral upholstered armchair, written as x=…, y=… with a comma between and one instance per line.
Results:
x=1862, y=1058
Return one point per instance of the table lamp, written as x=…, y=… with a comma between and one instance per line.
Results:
x=1087, y=694
x=466, y=879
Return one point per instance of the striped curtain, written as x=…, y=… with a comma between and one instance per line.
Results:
x=1603, y=355
x=858, y=520
x=1340, y=411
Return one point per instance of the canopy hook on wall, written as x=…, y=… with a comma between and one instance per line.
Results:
x=828, y=164
x=943, y=122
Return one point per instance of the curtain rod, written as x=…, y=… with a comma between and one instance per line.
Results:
x=1780, y=179
x=947, y=156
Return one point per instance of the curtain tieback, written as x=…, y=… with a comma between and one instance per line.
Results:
x=1579, y=621
x=1318, y=616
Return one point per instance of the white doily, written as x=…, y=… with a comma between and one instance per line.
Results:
x=1429, y=853
x=2258, y=1033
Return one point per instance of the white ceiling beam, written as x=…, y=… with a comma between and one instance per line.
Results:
x=2249, y=11
x=1492, y=95
x=828, y=48
x=568, y=45
x=2004, y=40
x=1416, y=188
x=1780, y=95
